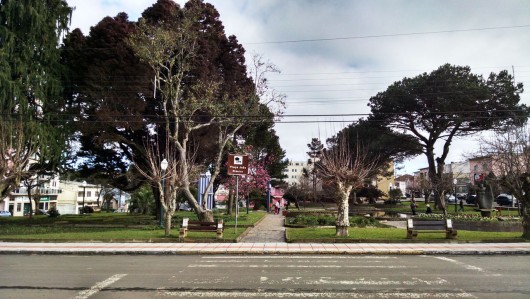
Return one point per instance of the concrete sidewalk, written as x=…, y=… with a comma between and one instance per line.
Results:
x=265, y=248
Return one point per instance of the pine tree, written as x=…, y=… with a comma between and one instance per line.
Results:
x=30, y=89
x=314, y=153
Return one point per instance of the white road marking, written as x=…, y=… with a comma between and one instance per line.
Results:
x=302, y=257
x=468, y=267
x=99, y=286
x=304, y=294
x=298, y=266
x=361, y=281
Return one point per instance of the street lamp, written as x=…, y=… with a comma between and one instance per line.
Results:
x=83, y=207
x=163, y=166
x=454, y=193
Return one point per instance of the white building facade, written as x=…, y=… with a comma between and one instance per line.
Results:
x=295, y=171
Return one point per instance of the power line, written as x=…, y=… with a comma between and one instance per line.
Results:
x=387, y=35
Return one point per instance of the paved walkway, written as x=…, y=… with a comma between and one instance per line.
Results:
x=269, y=230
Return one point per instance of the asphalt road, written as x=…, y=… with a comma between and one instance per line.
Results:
x=195, y=276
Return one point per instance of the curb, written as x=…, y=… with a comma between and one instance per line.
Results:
x=264, y=252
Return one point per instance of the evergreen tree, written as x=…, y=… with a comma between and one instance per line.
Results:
x=30, y=128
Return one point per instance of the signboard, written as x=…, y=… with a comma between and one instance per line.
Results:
x=237, y=164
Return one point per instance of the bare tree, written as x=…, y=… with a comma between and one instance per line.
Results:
x=167, y=181
x=347, y=168
x=510, y=152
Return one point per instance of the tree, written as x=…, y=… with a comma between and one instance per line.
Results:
x=382, y=145
x=142, y=201
x=447, y=103
x=202, y=88
x=315, y=149
x=510, y=152
x=105, y=84
x=347, y=168
x=30, y=128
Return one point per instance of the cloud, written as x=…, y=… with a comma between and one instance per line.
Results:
x=339, y=76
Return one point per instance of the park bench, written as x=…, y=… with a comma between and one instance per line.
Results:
x=430, y=226
x=201, y=226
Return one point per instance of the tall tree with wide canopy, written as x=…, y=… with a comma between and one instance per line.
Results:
x=30, y=128
x=107, y=86
x=447, y=103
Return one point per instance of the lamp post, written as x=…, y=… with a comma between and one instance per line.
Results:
x=163, y=166
x=83, y=206
x=454, y=193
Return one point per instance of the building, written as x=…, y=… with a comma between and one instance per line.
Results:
x=66, y=196
x=18, y=202
x=404, y=183
x=458, y=171
x=295, y=171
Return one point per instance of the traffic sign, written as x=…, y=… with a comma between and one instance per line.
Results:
x=237, y=164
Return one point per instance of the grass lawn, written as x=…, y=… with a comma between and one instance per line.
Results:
x=391, y=234
x=85, y=227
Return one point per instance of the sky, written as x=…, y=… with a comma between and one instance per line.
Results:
x=335, y=55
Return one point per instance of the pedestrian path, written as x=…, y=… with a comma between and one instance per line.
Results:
x=269, y=230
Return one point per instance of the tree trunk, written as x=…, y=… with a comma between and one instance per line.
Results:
x=230, y=203
x=167, y=222
x=343, y=220
x=205, y=215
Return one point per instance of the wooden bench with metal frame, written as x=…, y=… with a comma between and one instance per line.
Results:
x=430, y=226
x=201, y=226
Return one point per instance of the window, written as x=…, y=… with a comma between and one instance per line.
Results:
x=475, y=168
x=88, y=193
x=297, y=164
x=19, y=207
x=97, y=194
x=80, y=194
x=485, y=166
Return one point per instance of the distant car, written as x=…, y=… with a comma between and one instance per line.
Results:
x=471, y=199
x=5, y=214
x=184, y=207
x=506, y=200
x=450, y=198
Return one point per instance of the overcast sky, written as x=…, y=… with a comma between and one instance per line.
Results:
x=335, y=55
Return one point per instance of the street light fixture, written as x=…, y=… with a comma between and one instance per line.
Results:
x=163, y=166
x=84, y=192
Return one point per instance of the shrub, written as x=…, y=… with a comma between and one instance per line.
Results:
x=363, y=221
x=312, y=220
